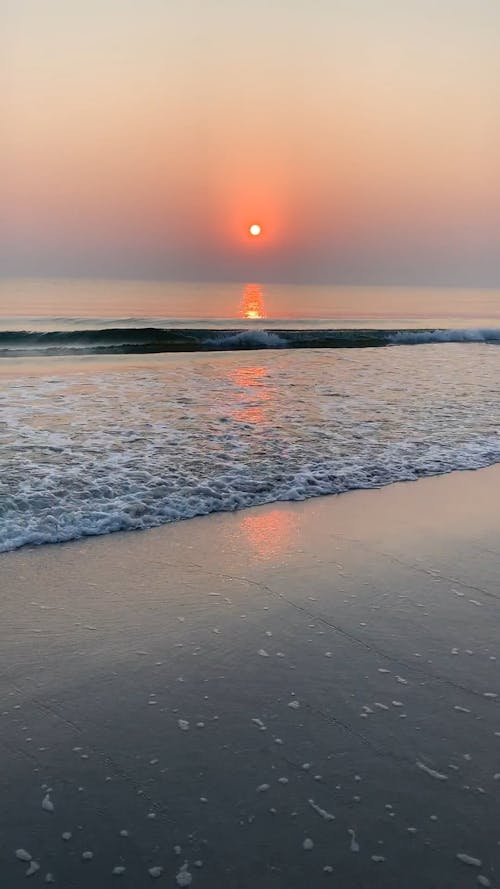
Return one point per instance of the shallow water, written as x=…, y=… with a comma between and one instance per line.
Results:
x=91, y=446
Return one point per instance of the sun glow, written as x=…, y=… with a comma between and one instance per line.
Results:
x=255, y=230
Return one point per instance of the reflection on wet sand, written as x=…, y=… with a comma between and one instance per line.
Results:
x=271, y=532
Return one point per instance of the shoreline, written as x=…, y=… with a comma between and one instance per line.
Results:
x=258, y=506
x=377, y=612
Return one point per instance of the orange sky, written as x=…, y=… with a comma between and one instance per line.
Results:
x=143, y=139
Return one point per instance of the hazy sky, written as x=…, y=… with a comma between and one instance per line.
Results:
x=142, y=137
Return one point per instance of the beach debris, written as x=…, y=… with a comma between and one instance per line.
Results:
x=401, y=680
x=177, y=850
x=378, y=858
x=88, y=855
x=397, y=703
x=328, y=869
x=155, y=871
x=490, y=694
x=283, y=780
x=327, y=816
x=32, y=869
x=23, y=855
x=461, y=709
x=483, y=881
x=66, y=835
x=354, y=845
x=259, y=723
x=183, y=725
x=49, y=878
x=469, y=859
x=308, y=844
x=262, y=788
x=124, y=833
x=294, y=705
x=47, y=804
x=431, y=772
x=184, y=878
x=328, y=654
x=263, y=652
x=383, y=670
x=118, y=870
x=381, y=706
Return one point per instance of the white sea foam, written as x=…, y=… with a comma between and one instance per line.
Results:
x=246, y=339
x=468, y=335
x=100, y=452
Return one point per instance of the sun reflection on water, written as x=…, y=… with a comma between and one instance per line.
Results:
x=252, y=304
x=255, y=392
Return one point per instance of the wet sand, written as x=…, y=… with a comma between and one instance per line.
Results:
x=221, y=687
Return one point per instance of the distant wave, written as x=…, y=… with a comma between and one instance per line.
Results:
x=144, y=340
x=416, y=337
x=247, y=339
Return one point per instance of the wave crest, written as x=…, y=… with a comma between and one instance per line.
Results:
x=248, y=339
x=145, y=340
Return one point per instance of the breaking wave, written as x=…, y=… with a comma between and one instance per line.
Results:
x=144, y=340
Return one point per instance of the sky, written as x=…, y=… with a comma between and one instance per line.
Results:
x=141, y=139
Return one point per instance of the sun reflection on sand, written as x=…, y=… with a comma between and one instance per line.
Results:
x=252, y=304
x=270, y=532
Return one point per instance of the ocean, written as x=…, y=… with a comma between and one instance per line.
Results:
x=126, y=405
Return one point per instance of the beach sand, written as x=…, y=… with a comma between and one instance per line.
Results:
x=225, y=685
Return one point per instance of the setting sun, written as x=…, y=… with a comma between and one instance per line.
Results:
x=255, y=230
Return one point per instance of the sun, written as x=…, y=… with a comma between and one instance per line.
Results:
x=255, y=230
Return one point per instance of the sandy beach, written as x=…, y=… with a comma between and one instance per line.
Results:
x=288, y=695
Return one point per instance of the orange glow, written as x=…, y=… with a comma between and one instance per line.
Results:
x=256, y=397
x=271, y=532
x=252, y=306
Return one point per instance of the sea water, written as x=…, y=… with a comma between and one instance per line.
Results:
x=95, y=439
